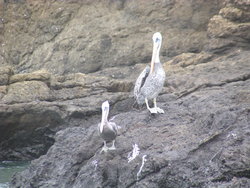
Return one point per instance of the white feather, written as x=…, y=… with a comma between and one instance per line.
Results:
x=134, y=153
x=142, y=164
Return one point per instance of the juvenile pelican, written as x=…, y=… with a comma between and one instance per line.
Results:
x=107, y=130
x=151, y=80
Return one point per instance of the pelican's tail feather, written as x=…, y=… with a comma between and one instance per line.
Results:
x=139, y=84
x=140, y=99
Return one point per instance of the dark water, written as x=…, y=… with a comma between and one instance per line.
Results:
x=7, y=169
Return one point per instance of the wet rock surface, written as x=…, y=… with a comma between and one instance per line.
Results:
x=57, y=68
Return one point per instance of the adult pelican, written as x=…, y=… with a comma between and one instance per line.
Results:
x=107, y=130
x=151, y=80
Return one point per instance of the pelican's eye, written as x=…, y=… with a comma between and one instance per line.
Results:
x=157, y=40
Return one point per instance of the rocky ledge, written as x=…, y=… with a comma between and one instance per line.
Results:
x=34, y=106
x=202, y=140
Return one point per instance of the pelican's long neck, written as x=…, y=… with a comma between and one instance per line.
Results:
x=105, y=113
x=155, y=56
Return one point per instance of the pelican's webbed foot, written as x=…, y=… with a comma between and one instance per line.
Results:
x=113, y=146
x=153, y=110
x=159, y=110
x=104, y=148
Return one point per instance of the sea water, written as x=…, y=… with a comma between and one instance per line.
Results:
x=8, y=168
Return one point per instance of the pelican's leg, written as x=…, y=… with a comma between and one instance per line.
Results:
x=152, y=110
x=104, y=148
x=113, y=146
x=157, y=108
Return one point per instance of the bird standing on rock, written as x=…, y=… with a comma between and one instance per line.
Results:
x=151, y=80
x=107, y=130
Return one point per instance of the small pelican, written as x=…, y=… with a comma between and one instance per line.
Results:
x=107, y=130
x=151, y=80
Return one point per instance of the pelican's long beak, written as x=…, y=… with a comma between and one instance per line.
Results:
x=105, y=113
x=101, y=127
x=157, y=38
x=153, y=58
x=104, y=118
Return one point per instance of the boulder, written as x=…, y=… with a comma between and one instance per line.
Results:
x=229, y=28
x=26, y=91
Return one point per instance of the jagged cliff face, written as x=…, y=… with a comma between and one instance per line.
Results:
x=75, y=36
x=61, y=59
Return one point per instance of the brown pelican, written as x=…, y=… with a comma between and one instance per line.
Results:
x=107, y=130
x=151, y=80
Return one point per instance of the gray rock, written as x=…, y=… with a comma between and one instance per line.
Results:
x=70, y=56
x=202, y=140
x=36, y=105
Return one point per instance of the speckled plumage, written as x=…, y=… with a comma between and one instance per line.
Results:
x=152, y=85
x=109, y=133
x=151, y=80
x=107, y=130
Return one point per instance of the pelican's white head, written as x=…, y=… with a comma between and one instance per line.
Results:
x=105, y=113
x=157, y=39
x=105, y=106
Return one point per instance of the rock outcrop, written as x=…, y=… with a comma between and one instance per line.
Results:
x=202, y=140
x=70, y=38
x=36, y=105
x=75, y=36
x=61, y=59
x=230, y=27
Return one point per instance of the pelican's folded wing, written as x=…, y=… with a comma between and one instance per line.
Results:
x=98, y=127
x=140, y=81
x=114, y=127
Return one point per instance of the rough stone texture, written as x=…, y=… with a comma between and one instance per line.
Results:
x=41, y=75
x=31, y=111
x=230, y=27
x=5, y=73
x=219, y=71
x=59, y=60
x=27, y=129
x=26, y=92
x=75, y=36
x=202, y=140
